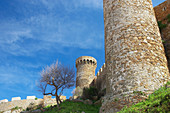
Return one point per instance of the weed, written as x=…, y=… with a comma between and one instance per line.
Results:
x=116, y=99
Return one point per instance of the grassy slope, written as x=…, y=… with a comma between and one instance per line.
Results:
x=158, y=102
x=75, y=107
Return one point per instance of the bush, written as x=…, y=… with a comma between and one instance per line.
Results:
x=31, y=106
x=74, y=107
x=102, y=93
x=89, y=93
x=161, y=26
x=168, y=17
x=36, y=98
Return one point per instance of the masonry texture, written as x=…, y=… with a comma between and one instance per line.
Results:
x=161, y=13
x=134, y=53
x=47, y=100
x=86, y=67
x=101, y=79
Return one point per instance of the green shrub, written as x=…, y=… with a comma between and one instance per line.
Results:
x=36, y=98
x=161, y=26
x=168, y=17
x=74, y=107
x=138, y=92
x=16, y=108
x=116, y=99
x=88, y=93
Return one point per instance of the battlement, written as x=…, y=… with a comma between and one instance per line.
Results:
x=86, y=59
x=102, y=69
x=6, y=105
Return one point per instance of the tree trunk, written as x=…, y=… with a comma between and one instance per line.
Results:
x=57, y=100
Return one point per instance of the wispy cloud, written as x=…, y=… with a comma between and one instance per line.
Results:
x=45, y=32
x=72, y=5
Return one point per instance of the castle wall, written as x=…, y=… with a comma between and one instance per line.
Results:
x=101, y=78
x=161, y=13
x=162, y=10
x=135, y=57
x=47, y=100
x=20, y=103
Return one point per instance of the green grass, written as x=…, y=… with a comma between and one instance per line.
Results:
x=74, y=107
x=158, y=102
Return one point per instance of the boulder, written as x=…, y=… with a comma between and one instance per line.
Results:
x=88, y=102
x=77, y=100
x=98, y=102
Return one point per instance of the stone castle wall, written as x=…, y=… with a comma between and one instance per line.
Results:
x=101, y=78
x=161, y=13
x=162, y=10
x=16, y=101
x=135, y=57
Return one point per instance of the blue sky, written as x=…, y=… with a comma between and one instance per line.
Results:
x=35, y=33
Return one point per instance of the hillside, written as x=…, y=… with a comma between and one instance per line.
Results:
x=158, y=102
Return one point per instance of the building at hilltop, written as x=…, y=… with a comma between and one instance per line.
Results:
x=135, y=60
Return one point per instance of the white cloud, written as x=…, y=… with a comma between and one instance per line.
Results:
x=89, y=3
x=44, y=32
x=70, y=5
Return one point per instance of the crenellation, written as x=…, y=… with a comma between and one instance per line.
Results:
x=86, y=59
x=31, y=97
x=16, y=101
x=15, y=98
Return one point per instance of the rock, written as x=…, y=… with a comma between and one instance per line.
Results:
x=98, y=102
x=75, y=97
x=7, y=111
x=36, y=111
x=88, y=102
x=95, y=97
x=70, y=98
x=77, y=100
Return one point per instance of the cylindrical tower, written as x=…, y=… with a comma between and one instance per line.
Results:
x=134, y=53
x=86, y=66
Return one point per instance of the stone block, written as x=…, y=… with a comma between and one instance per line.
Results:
x=16, y=98
x=63, y=97
x=88, y=102
x=31, y=97
x=47, y=97
x=5, y=100
x=75, y=97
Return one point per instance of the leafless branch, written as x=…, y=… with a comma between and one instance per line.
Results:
x=57, y=76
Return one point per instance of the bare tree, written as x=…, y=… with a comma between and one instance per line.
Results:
x=55, y=78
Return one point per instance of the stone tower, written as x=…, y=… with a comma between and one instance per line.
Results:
x=134, y=54
x=86, y=66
